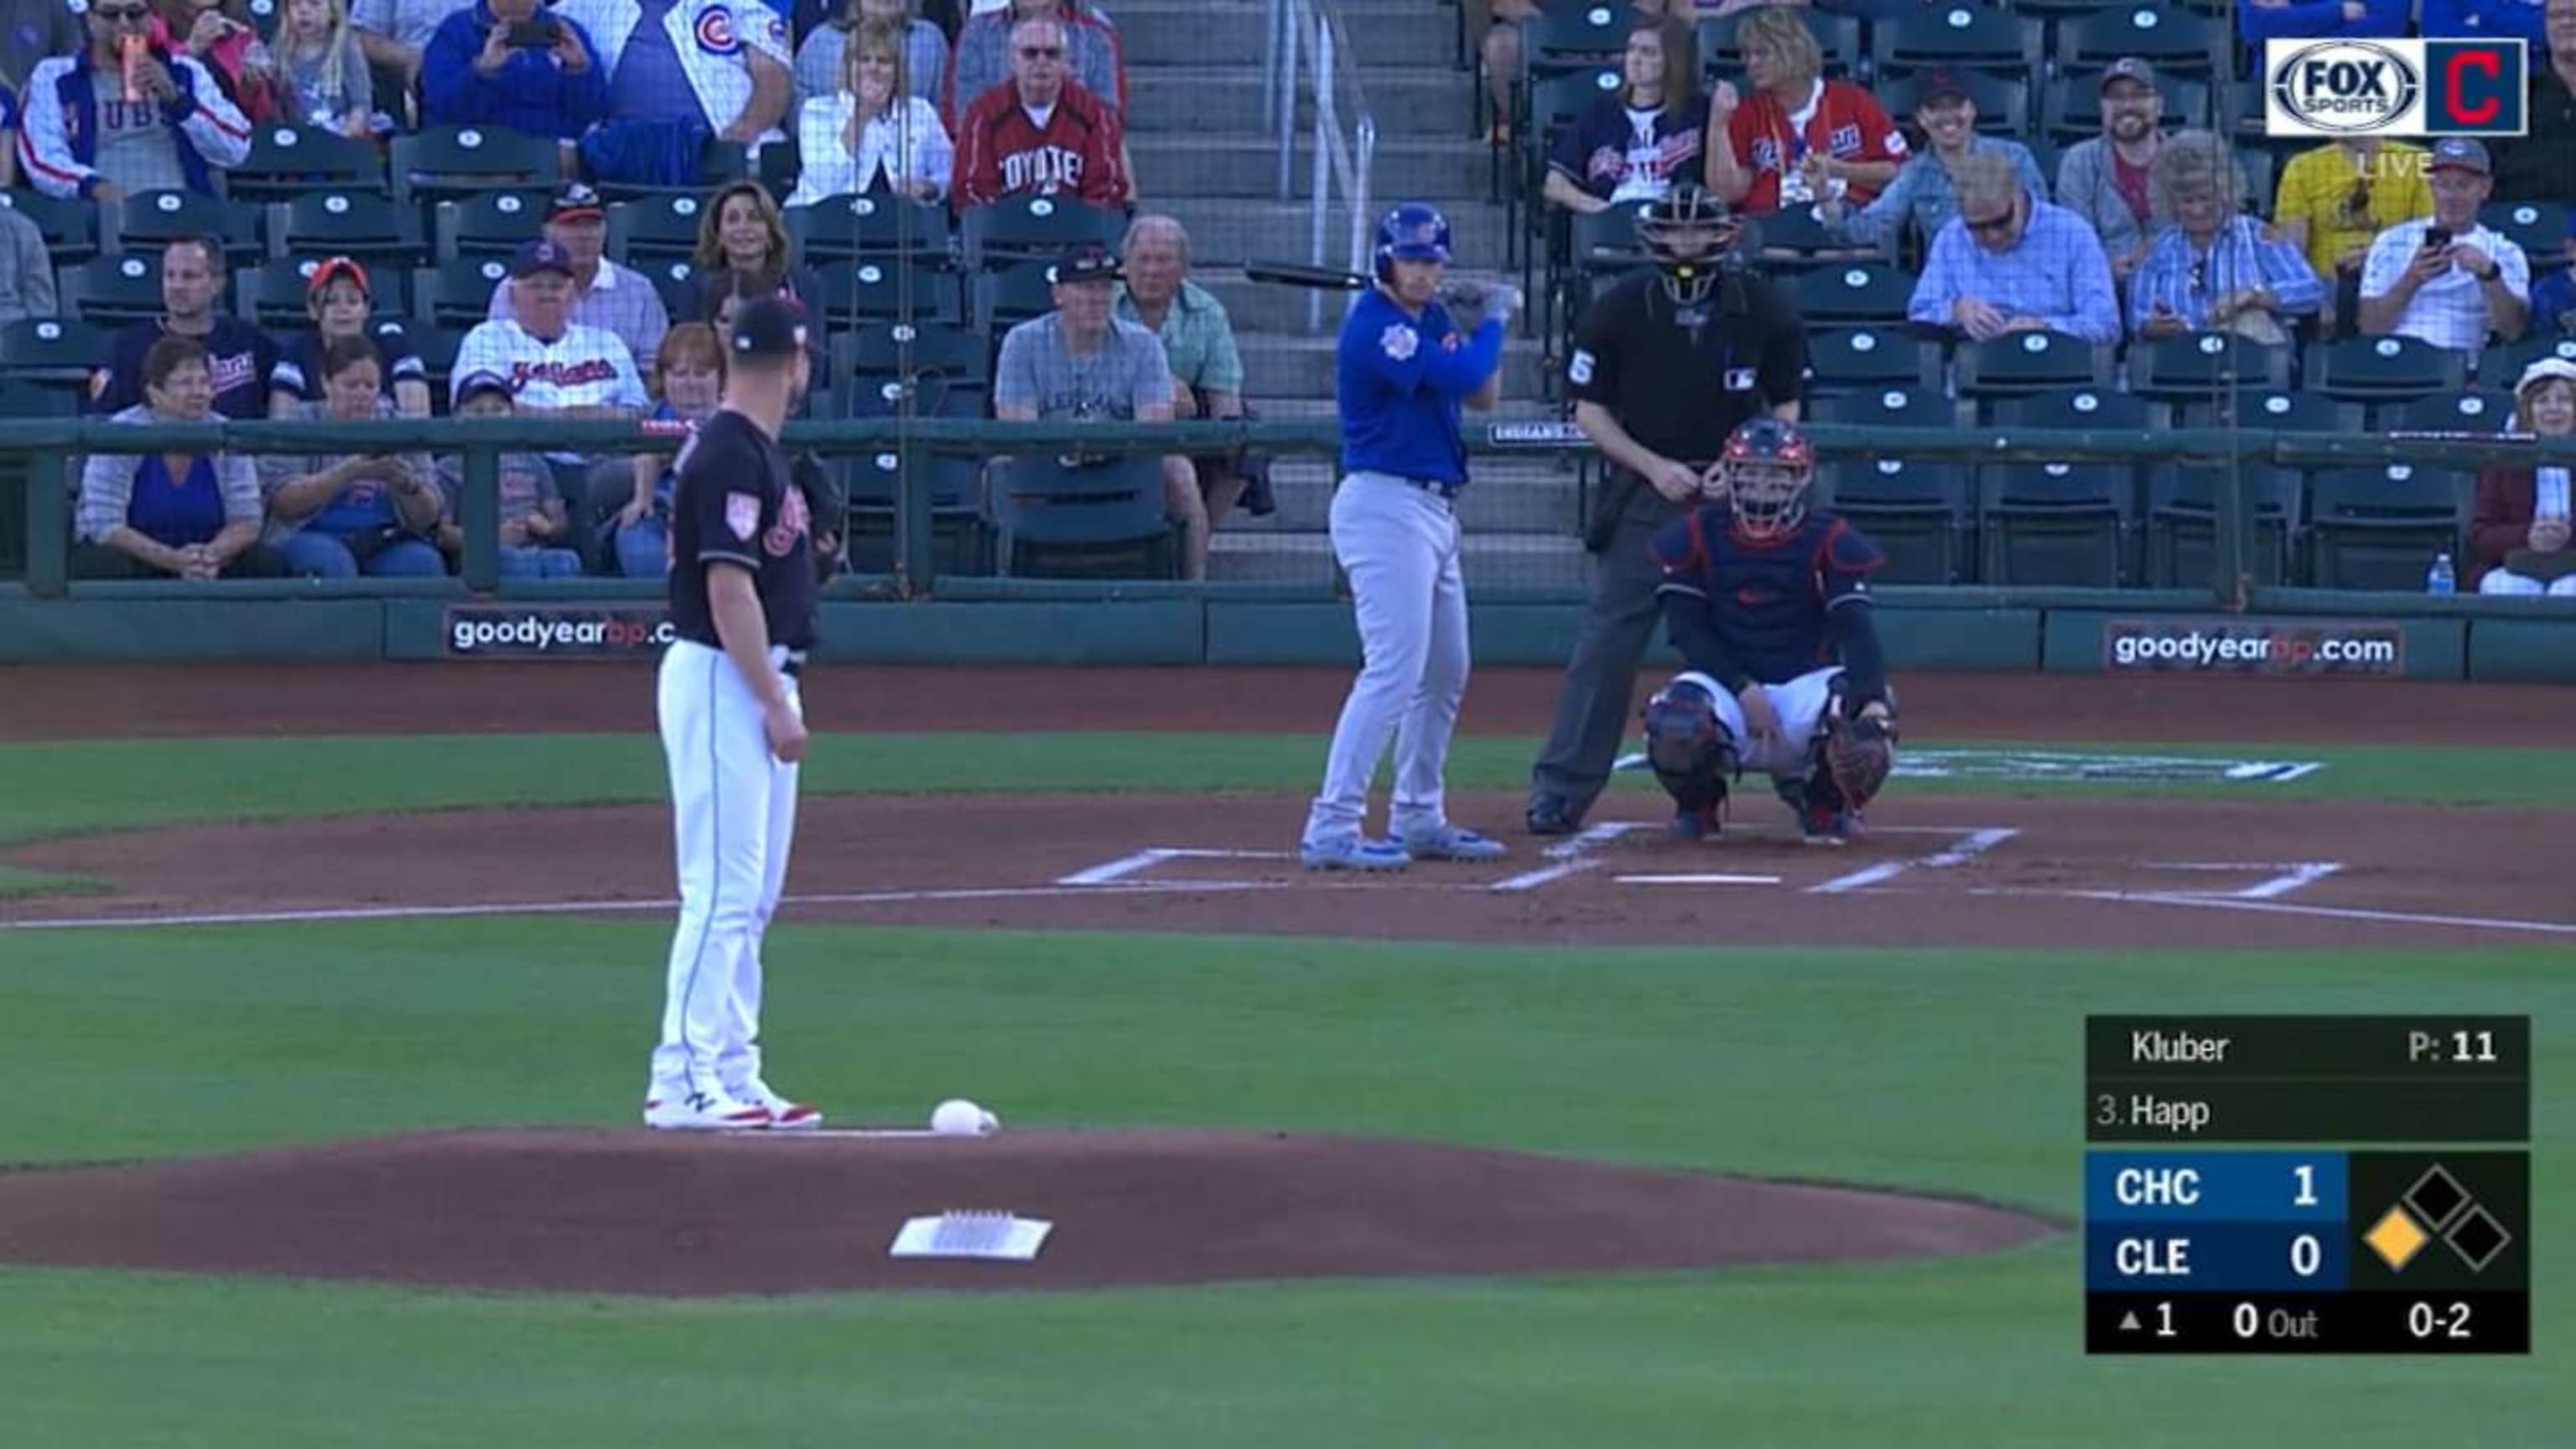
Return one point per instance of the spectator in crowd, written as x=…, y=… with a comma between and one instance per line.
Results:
x=339, y=516
x=1799, y=138
x=80, y=137
x=743, y=243
x=9, y=111
x=2010, y=262
x=605, y=295
x=2261, y=20
x=2553, y=296
x=1080, y=363
x=1502, y=27
x=239, y=356
x=688, y=381
x=558, y=367
x=2103, y=180
x=394, y=35
x=2216, y=268
x=2445, y=278
x=477, y=74
x=822, y=62
x=35, y=31
x=26, y=270
x=341, y=300
x=2540, y=164
x=871, y=133
x=985, y=55
x=2518, y=527
x=534, y=523
x=1629, y=144
x=322, y=71
x=720, y=64
x=2484, y=20
x=1926, y=192
x=2335, y=199
x=190, y=516
x=1039, y=131
x=1198, y=344
x=219, y=35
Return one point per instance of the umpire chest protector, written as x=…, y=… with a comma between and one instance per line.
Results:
x=1680, y=376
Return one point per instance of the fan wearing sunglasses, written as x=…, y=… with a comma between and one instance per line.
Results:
x=2010, y=262
x=124, y=116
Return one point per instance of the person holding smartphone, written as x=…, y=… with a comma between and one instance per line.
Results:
x=511, y=63
x=2445, y=278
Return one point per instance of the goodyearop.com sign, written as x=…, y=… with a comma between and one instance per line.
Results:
x=556, y=631
x=2253, y=646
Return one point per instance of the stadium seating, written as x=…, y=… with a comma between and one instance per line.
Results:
x=874, y=482
x=1012, y=295
x=458, y=294
x=2182, y=524
x=359, y=224
x=455, y=161
x=1790, y=241
x=2383, y=369
x=877, y=292
x=844, y=228
x=286, y=161
x=1574, y=35
x=273, y=294
x=2020, y=363
x=2502, y=366
x=654, y=227
x=488, y=224
x=1918, y=513
x=69, y=224
x=2379, y=528
x=1870, y=358
x=2003, y=102
x=2201, y=365
x=50, y=354
x=2274, y=410
x=1867, y=294
x=1838, y=39
x=2168, y=39
x=1018, y=227
x=1105, y=519
x=2072, y=109
x=2541, y=231
x=148, y=221
x=2476, y=412
x=112, y=291
x=1895, y=407
x=2062, y=525
x=1974, y=37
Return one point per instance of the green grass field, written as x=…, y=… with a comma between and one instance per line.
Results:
x=1947, y=1070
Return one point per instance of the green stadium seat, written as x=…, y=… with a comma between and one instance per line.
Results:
x=2021, y=363
x=150, y=220
x=839, y=229
x=1918, y=513
x=2463, y=412
x=1019, y=227
x=1870, y=359
x=2384, y=369
x=69, y=223
x=2058, y=525
x=451, y=161
x=1972, y=37
x=2182, y=527
x=1100, y=521
x=649, y=227
x=2200, y=366
x=1894, y=407
x=488, y=224
x=357, y=224
x=2379, y=528
x=1866, y=294
x=286, y=161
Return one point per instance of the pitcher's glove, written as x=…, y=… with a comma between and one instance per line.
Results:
x=1861, y=753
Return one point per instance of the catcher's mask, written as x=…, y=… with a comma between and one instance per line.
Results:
x=1769, y=466
x=1689, y=234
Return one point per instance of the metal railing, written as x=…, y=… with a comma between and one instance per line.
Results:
x=1310, y=55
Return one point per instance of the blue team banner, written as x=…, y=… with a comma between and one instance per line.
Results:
x=2210, y=1257
x=2211, y=1187
x=2451, y=87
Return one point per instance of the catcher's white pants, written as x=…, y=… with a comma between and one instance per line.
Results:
x=733, y=807
x=1799, y=704
x=1399, y=545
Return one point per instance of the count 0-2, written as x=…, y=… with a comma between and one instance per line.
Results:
x=2451, y=1046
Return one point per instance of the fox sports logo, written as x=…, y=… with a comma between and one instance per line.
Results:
x=2347, y=86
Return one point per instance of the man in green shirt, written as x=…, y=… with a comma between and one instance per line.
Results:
x=1207, y=372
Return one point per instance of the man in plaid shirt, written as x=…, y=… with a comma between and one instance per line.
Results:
x=2010, y=262
x=2445, y=278
x=605, y=295
x=2214, y=268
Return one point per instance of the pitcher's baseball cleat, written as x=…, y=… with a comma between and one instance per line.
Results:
x=1452, y=842
x=784, y=1115
x=704, y=1112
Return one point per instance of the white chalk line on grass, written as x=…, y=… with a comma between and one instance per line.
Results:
x=1975, y=843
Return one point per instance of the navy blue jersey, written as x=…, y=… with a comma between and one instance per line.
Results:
x=1769, y=604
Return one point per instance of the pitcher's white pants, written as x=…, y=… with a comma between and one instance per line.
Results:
x=733, y=819
x=1399, y=545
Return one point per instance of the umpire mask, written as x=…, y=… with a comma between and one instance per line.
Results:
x=1689, y=234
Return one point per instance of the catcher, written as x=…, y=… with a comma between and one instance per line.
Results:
x=1769, y=605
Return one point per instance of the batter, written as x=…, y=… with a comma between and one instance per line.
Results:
x=1403, y=368
x=733, y=729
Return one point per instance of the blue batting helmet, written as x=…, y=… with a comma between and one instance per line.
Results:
x=1413, y=232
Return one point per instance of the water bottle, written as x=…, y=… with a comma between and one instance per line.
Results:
x=2441, y=578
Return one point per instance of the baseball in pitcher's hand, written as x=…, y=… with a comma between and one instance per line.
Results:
x=786, y=730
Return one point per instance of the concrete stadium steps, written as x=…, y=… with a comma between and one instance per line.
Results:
x=1228, y=231
x=1388, y=34
x=1491, y=563
x=1278, y=365
x=1184, y=99
x=1508, y=495
x=1203, y=162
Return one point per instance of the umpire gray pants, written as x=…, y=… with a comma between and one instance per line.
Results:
x=1592, y=714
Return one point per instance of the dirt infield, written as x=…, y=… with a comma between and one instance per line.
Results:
x=143, y=701
x=634, y=1212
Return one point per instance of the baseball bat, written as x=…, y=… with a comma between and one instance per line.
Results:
x=1301, y=274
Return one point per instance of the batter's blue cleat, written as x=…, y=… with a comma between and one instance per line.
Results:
x=1453, y=842
x=1352, y=852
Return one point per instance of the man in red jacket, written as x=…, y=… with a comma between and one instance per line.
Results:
x=1039, y=131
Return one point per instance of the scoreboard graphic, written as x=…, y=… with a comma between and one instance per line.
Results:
x=2286, y=1184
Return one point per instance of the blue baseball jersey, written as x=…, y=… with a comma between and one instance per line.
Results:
x=1399, y=381
x=1769, y=602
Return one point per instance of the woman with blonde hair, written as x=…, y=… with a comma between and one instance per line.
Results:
x=1798, y=138
x=322, y=71
x=2518, y=528
x=873, y=134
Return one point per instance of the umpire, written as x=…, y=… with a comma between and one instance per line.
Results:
x=1665, y=365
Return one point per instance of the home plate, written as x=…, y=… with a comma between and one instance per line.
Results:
x=1699, y=880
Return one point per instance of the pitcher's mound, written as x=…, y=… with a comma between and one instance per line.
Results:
x=652, y=1213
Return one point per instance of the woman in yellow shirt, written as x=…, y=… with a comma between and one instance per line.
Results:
x=2334, y=199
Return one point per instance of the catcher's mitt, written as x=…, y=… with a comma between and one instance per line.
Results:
x=1859, y=755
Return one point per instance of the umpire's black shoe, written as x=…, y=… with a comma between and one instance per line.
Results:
x=1547, y=815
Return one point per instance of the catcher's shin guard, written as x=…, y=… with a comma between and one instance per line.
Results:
x=1689, y=747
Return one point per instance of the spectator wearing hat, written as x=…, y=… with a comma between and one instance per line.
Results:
x=178, y=515
x=1081, y=363
x=557, y=366
x=2553, y=295
x=869, y=133
x=2485, y=20
x=823, y=59
x=605, y=295
x=484, y=66
x=2010, y=262
x=2445, y=278
x=534, y=522
x=2334, y=200
x=2215, y=268
x=725, y=65
x=1630, y=143
x=1799, y=138
x=2518, y=527
x=337, y=516
x=79, y=137
x=1925, y=193
x=2261, y=20
x=239, y=356
x=2104, y=179
x=2540, y=164
x=1039, y=131
x=340, y=299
